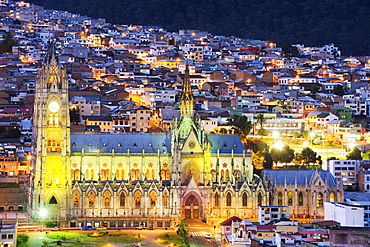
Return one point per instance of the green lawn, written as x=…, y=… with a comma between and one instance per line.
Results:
x=169, y=239
x=93, y=236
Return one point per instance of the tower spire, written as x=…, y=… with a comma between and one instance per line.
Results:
x=187, y=98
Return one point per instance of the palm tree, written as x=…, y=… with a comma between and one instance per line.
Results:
x=260, y=120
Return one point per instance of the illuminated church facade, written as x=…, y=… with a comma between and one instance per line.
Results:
x=137, y=179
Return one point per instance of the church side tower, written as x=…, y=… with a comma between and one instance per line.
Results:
x=51, y=135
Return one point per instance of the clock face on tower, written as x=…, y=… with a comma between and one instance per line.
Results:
x=54, y=106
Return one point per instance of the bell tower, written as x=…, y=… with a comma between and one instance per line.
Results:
x=51, y=140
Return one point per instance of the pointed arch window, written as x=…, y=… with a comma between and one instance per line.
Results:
x=104, y=174
x=135, y=174
x=217, y=200
x=222, y=175
x=228, y=199
x=213, y=174
x=53, y=200
x=290, y=198
x=91, y=199
x=153, y=199
x=107, y=197
x=137, y=199
x=165, y=199
x=332, y=197
x=122, y=199
x=245, y=199
x=227, y=175
x=319, y=200
x=280, y=199
x=259, y=199
x=76, y=199
x=76, y=174
x=300, y=199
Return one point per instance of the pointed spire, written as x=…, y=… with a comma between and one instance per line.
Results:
x=187, y=98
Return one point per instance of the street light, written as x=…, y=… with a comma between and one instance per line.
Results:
x=279, y=145
x=43, y=213
x=312, y=134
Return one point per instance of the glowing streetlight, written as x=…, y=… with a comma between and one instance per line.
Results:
x=312, y=134
x=279, y=145
x=351, y=145
x=43, y=213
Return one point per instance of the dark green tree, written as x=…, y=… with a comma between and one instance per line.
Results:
x=332, y=158
x=289, y=50
x=241, y=125
x=74, y=116
x=338, y=90
x=307, y=156
x=12, y=132
x=260, y=120
x=183, y=232
x=282, y=155
x=267, y=161
x=314, y=89
x=22, y=240
x=355, y=154
x=7, y=44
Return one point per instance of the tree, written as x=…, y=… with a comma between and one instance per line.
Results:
x=22, y=240
x=338, y=90
x=355, y=154
x=260, y=120
x=183, y=232
x=283, y=155
x=74, y=116
x=314, y=89
x=289, y=50
x=267, y=161
x=307, y=156
x=332, y=158
x=7, y=44
x=241, y=125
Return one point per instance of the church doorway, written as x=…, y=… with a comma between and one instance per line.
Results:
x=192, y=208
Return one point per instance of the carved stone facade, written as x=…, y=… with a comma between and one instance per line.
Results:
x=133, y=180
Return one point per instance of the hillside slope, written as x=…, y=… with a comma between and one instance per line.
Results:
x=312, y=22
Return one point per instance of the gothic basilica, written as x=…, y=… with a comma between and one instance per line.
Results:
x=142, y=179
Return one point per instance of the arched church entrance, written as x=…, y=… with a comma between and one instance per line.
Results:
x=192, y=208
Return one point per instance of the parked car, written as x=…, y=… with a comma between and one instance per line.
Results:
x=86, y=228
x=55, y=229
x=101, y=228
x=208, y=237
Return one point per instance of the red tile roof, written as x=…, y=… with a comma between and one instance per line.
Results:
x=230, y=220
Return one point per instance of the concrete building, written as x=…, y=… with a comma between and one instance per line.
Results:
x=345, y=214
x=359, y=199
x=267, y=214
x=344, y=171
